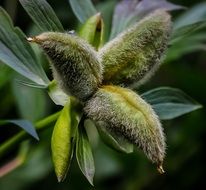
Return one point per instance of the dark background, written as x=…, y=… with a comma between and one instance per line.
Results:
x=185, y=161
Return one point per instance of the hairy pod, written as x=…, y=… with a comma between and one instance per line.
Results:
x=128, y=115
x=135, y=54
x=74, y=63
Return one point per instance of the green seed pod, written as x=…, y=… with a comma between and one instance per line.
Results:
x=135, y=54
x=128, y=115
x=74, y=63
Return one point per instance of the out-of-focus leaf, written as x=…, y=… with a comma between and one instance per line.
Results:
x=24, y=124
x=56, y=94
x=112, y=140
x=30, y=84
x=28, y=101
x=37, y=167
x=192, y=20
x=191, y=43
x=17, y=53
x=93, y=31
x=5, y=74
x=170, y=103
x=127, y=12
x=42, y=14
x=192, y=16
x=186, y=32
x=84, y=154
x=17, y=161
x=83, y=9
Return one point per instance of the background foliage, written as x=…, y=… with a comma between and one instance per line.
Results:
x=185, y=161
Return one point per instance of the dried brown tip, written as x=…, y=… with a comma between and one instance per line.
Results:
x=160, y=169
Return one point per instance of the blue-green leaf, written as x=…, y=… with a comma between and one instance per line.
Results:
x=170, y=103
x=84, y=154
x=17, y=53
x=128, y=12
x=24, y=124
x=34, y=99
x=83, y=9
x=192, y=16
x=191, y=43
x=42, y=14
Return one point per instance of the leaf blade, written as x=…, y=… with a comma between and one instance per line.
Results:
x=82, y=9
x=112, y=140
x=42, y=14
x=170, y=103
x=61, y=143
x=24, y=124
x=84, y=155
x=17, y=53
x=93, y=31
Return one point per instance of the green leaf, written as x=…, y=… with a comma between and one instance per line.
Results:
x=43, y=15
x=191, y=43
x=170, y=103
x=83, y=9
x=84, y=154
x=93, y=31
x=190, y=21
x=17, y=53
x=193, y=15
x=62, y=142
x=112, y=140
x=24, y=124
x=63, y=139
x=56, y=94
x=106, y=9
x=5, y=74
x=34, y=99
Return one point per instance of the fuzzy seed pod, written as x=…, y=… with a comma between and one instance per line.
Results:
x=74, y=63
x=135, y=54
x=128, y=115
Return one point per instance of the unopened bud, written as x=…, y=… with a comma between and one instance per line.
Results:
x=135, y=54
x=128, y=115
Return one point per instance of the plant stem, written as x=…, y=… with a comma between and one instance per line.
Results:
x=40, y=125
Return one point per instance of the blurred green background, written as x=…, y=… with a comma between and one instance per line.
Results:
x=185, y=161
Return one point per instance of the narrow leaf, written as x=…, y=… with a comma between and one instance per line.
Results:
x=185, y=32
x=113, y=140
x=34, y=99
x=127, y=12
x=194, y=15
x=93, y=31
x=62, y=143
x=84, y=155
x=24, y=124
x=170, y=103
x=42, y=14
x=83, y=9
x=17, y=53
x=56, y=94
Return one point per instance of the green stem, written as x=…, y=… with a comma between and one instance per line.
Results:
x=40, y=125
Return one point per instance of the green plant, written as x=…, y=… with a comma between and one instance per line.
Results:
x=111, y=107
